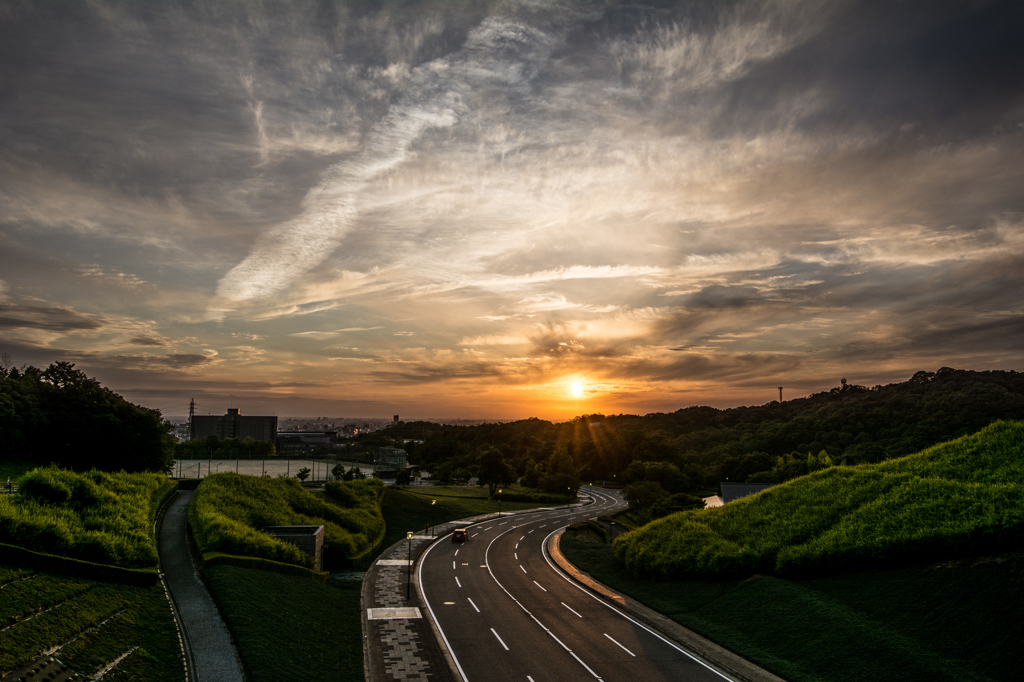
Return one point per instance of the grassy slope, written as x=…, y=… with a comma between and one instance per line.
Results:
x=957, y=621
x=96, y=516
x=131, y=617
x=408, y=509
x=960, y=498
x=228, y=508
x=290, y=628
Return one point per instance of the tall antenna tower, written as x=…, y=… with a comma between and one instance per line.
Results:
x=780, y=394
x=191, y=414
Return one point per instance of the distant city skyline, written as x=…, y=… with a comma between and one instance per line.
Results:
x=498, y=210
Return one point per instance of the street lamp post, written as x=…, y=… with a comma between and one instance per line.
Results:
x=408, y=582
x=432, y=502
x=570, y=505
x=499, y=503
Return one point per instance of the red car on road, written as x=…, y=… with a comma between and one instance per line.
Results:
x=459, y=535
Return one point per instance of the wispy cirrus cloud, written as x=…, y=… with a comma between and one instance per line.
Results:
x=686, y=202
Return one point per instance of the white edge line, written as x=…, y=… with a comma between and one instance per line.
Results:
x=543, y=547
x=620, y=645
x=426, y=603
x=544, y=550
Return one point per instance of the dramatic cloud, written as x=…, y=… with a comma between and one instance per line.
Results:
x=462, y=208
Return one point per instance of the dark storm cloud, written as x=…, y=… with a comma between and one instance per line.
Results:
x=49, y=319
x=147, y=341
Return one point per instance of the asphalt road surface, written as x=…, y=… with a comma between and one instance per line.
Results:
x=507, y=613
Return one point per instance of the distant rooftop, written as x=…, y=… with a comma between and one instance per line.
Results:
x=734, y=491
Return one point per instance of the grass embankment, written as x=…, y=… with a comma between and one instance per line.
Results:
x=290, y=628
x=95, y=516
x=87, y=625
x=961, y=498
x=958, y=621
x=228, y=509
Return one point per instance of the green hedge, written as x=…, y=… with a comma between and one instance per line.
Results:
x=960, y=498
x=158, y=499
x=228, y=510
x=221, y=559
x=60, y=565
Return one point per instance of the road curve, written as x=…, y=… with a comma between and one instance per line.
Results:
x=506, y=613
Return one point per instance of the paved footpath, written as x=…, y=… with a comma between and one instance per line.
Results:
x=400, y=642
x=209, y=650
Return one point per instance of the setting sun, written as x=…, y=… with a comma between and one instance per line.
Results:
x=577, y=389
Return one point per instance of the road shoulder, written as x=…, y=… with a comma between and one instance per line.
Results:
x=714, y=655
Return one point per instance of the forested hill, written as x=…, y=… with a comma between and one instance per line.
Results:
x=59, y=415
x=850, y=423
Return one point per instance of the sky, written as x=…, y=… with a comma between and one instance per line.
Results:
x=470, y=209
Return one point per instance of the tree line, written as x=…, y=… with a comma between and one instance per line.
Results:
x=702, y=446
x=61, y=416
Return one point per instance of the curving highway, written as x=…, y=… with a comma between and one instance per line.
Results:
x=507, y=613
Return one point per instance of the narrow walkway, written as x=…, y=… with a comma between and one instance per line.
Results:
x=208, y=647
x=400, y=643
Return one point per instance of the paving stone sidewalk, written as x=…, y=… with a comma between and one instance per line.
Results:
x=208, y=647
x=400, y=642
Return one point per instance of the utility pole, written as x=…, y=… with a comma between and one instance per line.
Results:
x=408, y=581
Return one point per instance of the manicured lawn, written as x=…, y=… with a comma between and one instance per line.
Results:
x=451, y=491
x=15, y=469
x=290, y=628
x=955, y=621
x=408, y=509
x=90, y=623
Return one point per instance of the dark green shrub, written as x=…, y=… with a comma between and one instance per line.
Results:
x=45, y=485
